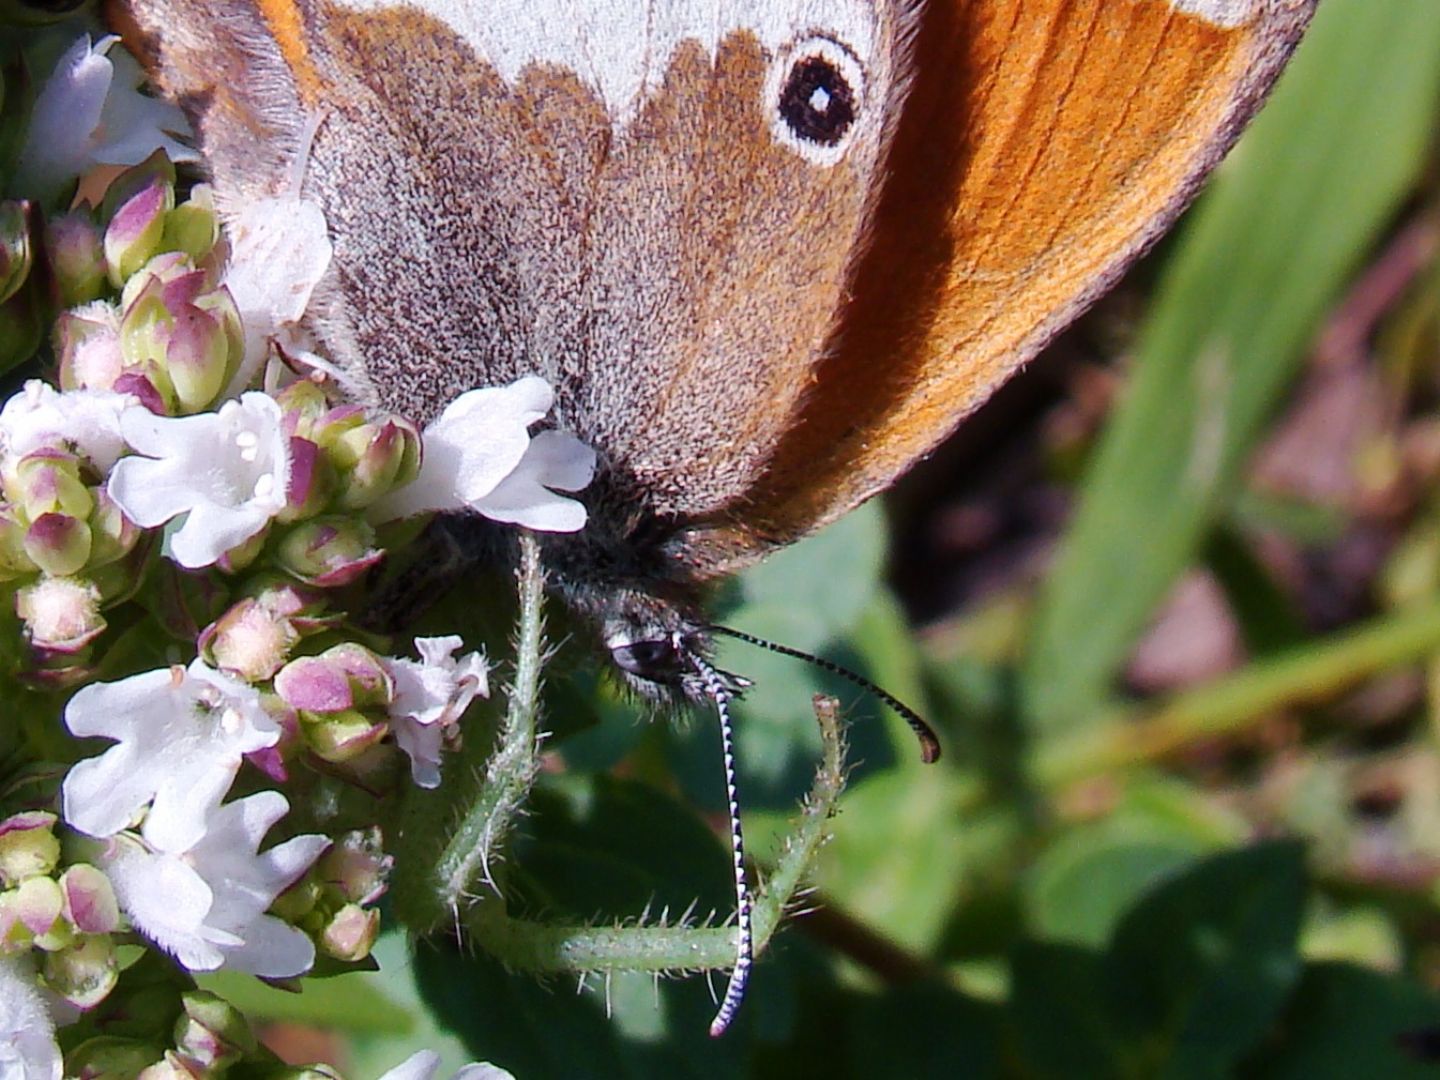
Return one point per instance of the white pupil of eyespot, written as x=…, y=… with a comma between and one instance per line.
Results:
x=820, y=99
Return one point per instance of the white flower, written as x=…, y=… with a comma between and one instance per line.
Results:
x=86, y=420
x=182, y=734
x=431, y=695
x=424, y=1064
x=91, y=112
x=27, y=1037
x=279, y=250
x=206, y=905
x=228, y=471
x=479, y=456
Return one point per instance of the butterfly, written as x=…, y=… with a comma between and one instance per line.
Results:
x=769, y=253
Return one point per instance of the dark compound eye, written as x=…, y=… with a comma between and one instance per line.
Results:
x=817, y=90
x=655, y=659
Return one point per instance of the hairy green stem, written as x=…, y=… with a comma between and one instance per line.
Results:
x=461, y=873
x=1313, y=672
x=526, y=945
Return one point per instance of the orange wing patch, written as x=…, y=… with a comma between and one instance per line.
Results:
x=1045, y=145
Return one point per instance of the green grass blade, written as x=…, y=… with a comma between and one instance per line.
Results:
x=1294, y=211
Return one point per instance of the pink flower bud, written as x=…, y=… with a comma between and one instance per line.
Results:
x=73, y=243
x=48, y=481
x=347, y=676
x=58, y=544
x=310, y=482
x=356, y=866
x=350, y=934
x=249, y=640
x=87, y=340
x=329, y=551
x=137, y=230
x=38, y=906
x=61, y=614
x=112, y=534
x=90, y=904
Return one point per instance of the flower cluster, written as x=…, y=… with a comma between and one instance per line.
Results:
x=182, y=550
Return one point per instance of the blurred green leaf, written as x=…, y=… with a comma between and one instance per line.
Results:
x=601, y=847
x=354, y=1002
x=1061, y=1016
x=1291, y=215
x=1201, y=966
x=1194, y=978
x=1081, y=885
x=1345, y=1022
x=825, y=582
x=903, y=849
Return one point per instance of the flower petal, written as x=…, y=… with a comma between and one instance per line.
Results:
x=475, y=443
x=27, y=1036
x=553, y=459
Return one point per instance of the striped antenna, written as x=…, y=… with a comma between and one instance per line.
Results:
x=718, y=690
x=929, y=742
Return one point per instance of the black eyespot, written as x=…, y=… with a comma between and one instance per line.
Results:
x=816, y=95
x=817, y=102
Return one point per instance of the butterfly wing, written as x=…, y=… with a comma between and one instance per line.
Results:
x=653, y=205
x=1044, y=146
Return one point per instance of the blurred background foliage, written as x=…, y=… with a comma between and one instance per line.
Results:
x=1172, y=599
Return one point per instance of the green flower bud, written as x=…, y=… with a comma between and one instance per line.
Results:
x=193, y=227
x=16, y=250
x=307, y=403
x=111, y=1058
x=329, y=551
x=13, y=560
x=173, y=1066
x=85, y=972
x=28, y=847
x=371, y=458
x=135, y=179
x=180, y=331
x=341, y=736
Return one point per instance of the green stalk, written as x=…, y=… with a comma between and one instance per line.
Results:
x=460, y=874
x=524, y=945
x=1314, y=672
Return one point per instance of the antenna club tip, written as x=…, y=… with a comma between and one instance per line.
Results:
x=930, y=750
x=718, y=1027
